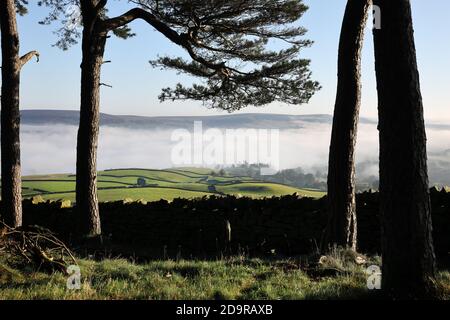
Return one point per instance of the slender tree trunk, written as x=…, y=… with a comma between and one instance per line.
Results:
x=93, y=47
x=407, y=248
x=341, y=228
x=10, y=116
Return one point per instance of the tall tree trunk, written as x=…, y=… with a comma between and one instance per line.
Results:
x=10, y=116
x=407, y=248
x=93, y=47
x=341, y=227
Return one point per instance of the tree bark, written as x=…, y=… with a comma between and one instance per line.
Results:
x=341, y=227
x=10, y=116
x=93, y=46
x=407, y=247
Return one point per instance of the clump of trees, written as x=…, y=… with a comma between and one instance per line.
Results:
x=294, y=177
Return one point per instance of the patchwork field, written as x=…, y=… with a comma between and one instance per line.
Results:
x=153, y=185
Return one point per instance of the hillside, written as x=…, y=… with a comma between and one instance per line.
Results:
x=240, y=120
x=153, y=185
x=243, y=120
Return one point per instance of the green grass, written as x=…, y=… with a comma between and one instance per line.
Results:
x=150, y=174
x=51, y=177
x=230, y=278
x=50, y=186
x=161, y=184
x=222, y=279
x=194, y=171
x=146, y=194
x=262, y=189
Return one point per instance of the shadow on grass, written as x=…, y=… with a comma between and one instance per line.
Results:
x=27, y=284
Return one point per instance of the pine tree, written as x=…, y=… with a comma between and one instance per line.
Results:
x=12, y=64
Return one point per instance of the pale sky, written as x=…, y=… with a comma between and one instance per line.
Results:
x=53, y=83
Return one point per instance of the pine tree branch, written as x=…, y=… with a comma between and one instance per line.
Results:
x=105, y=85
x=182, y=40
x=27, y=57
x=100, y=5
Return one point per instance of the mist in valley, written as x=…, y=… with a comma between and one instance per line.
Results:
x=52, y=149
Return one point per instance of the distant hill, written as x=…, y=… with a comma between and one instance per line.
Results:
x=248, y=120
x=242, y=120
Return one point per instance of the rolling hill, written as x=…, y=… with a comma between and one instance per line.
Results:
x=239, y=120
x=153, y=185
x=242, y=120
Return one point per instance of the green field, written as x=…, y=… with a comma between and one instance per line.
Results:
x=167, y=184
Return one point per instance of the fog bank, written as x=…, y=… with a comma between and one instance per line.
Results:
x=52, y=148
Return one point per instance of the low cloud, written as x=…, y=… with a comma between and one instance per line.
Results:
x=52, y=149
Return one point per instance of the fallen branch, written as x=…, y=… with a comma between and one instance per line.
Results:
x=35, y=246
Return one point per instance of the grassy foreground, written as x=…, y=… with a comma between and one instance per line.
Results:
x=228, y=278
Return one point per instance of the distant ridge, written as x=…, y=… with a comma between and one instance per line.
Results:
x=245, y=120
x=242, y=120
